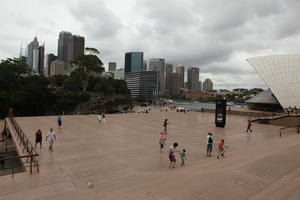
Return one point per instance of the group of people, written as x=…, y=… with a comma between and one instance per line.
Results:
x=172, y=150
x=210, y=142
x=101, y=118
x=50, y=137
x=182, y=153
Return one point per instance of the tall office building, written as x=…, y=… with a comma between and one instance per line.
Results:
x=63, y=47
x=180, y=70
x=143, y=84
x=112, y=66
x=57, y=68
x=158, y=64
x=48, y=60
x=38, y=57
x=75, y=49
x=169, y=71
x=175, y=84
x=134, y=61
x=207, y=85
x=31, y=46
x=193, y=79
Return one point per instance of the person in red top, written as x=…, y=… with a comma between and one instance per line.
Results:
x=249, y=127
x=221, y=148
x=10, y=111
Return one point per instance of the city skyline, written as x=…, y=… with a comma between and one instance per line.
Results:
x=217, y=42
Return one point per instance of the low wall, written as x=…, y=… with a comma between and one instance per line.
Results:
x=243, y=113
x=287, y=121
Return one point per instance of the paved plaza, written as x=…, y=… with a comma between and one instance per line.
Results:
x=122, y=160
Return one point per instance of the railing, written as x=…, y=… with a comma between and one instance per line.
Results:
x=289, y=127
x=29, y=160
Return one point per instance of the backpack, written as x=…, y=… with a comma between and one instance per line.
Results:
x=210, y=140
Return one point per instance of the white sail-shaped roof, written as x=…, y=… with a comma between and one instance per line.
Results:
x=282, y=75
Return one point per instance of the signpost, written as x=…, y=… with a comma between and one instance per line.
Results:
x=220, y=117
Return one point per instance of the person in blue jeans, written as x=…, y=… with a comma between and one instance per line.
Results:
x=210, y=142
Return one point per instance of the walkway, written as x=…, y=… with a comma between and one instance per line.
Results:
x=122, y=160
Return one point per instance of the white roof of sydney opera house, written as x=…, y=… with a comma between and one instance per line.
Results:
x=282, y=75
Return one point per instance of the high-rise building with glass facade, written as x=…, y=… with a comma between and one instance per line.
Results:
x=134, y=61
x=31, y=46
x=48, y=60
x=63, y=47
x=158, y=64
x=143, y=84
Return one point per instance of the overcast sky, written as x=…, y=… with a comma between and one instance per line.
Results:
x=215, y=35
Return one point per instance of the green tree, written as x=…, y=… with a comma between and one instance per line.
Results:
x=86, y=64
x=57, y=80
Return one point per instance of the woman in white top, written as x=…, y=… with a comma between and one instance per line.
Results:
x=50, y=139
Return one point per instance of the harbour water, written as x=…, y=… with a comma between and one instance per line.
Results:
x=199, y=105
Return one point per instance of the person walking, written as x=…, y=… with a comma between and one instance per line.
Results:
x=210, y=141
x=172, y=157
x=50, y=138
x=59, y=121
x=38, y=138
x=166, y=122
x=162, y=140
x=221, y=149
x=249, y=127
x=99, y=118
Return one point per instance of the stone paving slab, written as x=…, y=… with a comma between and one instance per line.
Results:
x=122, y=160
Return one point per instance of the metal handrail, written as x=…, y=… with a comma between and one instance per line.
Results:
x=32, y=154
x=287, y=127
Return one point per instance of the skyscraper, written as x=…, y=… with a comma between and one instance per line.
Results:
x=169, y=71
x=175, y=84
x=112, y=66
x=143, y=84
x=133, y=61
x=193, y=79
x=75, y=49
x=63, y=47
x=31, y=46
x=207, y=85
x=38, y=59
x=180, y=70
x=48, y=60
x=158, y=64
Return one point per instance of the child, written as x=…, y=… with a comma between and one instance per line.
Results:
x=162, y=140
x=182, y=156
x=221, y=148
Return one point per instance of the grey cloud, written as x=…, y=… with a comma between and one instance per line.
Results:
x=96, y=19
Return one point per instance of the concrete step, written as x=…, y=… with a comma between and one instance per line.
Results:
x=281, y=189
